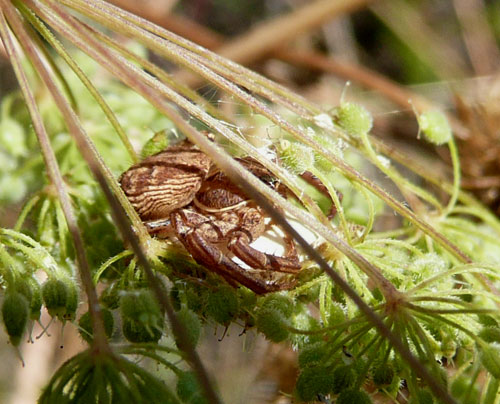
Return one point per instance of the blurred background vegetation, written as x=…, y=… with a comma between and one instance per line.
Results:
x=442, y=53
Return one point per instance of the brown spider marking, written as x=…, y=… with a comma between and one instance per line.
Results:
x=179, y=192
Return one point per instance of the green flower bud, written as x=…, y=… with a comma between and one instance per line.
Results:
x=344, y=377
x=110, y=297
x=223, y=305
x=141, y=316
x=61, y=298
x=435, y=126
x=278, y=302
x=313, y=381
x=72, y=302
x=156, y=144
x=188, y=389
x=490, y=334
x=15, y=311
x=140, y=305
x=273, y=324
x=85, y=324
x=191, y=323
x=334, y=146
x=135, y=331
x=313, y=354
x=354, y=118
x=353, y=396
x=31, y=289
x=296, y=157
x=196, y=298
x=383, y=374
x=489, y=355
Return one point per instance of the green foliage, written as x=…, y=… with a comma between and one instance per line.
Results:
x=106, y=379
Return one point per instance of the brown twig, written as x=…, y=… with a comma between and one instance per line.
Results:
x=478, y=38
x=100, y=343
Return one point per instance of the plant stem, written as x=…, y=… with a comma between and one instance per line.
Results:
x=100, y=343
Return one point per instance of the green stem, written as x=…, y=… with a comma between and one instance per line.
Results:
x=456, y=177
x=336, y=201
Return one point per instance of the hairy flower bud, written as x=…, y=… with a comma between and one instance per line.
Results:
x=15, y=311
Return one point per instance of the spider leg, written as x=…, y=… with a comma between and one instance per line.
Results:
x=239, y=245
x=161, y=228
x=206, y=253
x=311, y=179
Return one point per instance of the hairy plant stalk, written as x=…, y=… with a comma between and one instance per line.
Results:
x=100, y=344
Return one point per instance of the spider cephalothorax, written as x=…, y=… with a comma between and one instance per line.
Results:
x=179, y=192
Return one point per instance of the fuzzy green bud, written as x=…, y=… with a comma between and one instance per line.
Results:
x=273, y=324
x=110, y=297
x=354, y=118
x=353, y=396
x=296, y=157
x=140, y=305
x=31, y=289
x=196, y=298
x=330, y=144
x=15, y=312
x=344, y=377
x=156, y=144
x=191, y=323
x=313, y=381
x=435, y=126
x=223, y=305
x=489, y=355
x=141, y=316
x=60, y=297
x=383, y=374
x=85, y=325
x=135, y=331
x=313, y=354
x=279, y=302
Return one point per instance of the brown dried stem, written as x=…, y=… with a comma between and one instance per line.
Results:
x=100, y=344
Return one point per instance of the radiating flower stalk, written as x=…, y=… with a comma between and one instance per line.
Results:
x=389, y=303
